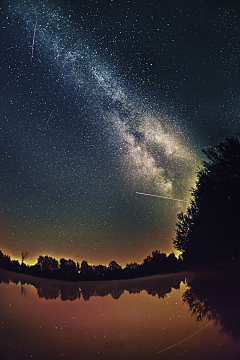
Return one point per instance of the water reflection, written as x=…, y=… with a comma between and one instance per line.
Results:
x=53, y=320
x=52, y=289
x=216, y=298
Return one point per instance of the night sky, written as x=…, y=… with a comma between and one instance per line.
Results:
x=103, y=100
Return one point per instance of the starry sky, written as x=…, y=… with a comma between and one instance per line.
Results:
x=101, y=100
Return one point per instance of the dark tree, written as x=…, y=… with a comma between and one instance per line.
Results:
x=100, y=270
x=47, y=263
x=114, y=270
x=25, y=255
x=84, y=267
x=86, y=271
x=5, y=261
x=132, y=266
x=209, y=230
x=113, y=266
x=185, y=226
x=68, y=268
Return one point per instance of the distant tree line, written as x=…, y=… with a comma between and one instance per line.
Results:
x=49, y=267
x=208, y=233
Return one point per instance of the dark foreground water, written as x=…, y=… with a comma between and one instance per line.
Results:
x=127, y=319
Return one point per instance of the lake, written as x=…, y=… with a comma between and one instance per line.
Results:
x=166, y=317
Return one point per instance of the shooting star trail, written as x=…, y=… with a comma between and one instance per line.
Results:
x=159, y=196
x=170, y=347
x=48, y=120
x=34, y=35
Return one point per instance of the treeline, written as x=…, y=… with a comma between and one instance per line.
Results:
x=49, y=267
x=208, y=233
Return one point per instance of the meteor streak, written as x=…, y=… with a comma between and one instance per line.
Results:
x=159, y=196
x=34, y=35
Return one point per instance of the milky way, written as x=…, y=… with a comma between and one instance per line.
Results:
x=85, y=126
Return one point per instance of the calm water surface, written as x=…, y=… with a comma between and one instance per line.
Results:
x=127, y=319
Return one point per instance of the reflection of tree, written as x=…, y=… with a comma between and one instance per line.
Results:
x=116, y=294
x=70, y=293
x=215, y=298
x=158, y=285
x=23, y=291
x=48, y=292
x=199, y=308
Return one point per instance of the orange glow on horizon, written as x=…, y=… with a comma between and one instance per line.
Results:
x=32, y=260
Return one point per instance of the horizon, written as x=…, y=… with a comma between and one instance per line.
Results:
x=100, y=102
x=32, y=262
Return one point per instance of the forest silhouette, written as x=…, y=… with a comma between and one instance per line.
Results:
x=208, y=233
x=49, y=267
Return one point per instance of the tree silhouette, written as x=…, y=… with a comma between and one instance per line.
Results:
x=100, y=270
x=68, y=268
x=113, y=266
x=47, y=264
x=25, y=255
x=209, y=229
x=84, y=267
